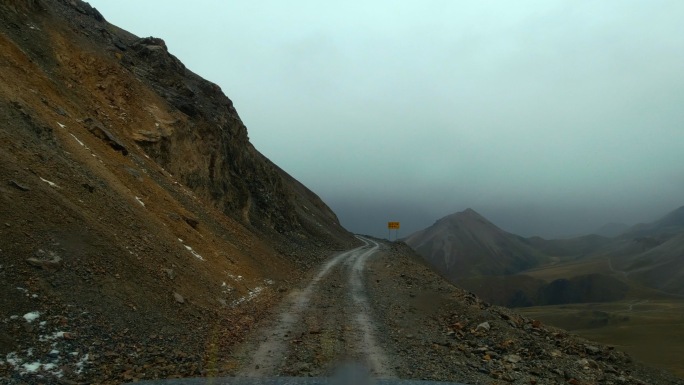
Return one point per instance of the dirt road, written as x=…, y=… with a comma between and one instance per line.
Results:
x=327, y=322
x=382, y=307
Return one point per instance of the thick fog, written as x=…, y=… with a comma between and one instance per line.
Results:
x=548, y=117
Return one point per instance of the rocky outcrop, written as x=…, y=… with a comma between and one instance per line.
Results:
x=191, y=128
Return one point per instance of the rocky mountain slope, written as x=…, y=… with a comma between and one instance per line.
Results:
x=473, y=252
x=142, y=236
x=670, y=224
x=465, y=244
x=137, y=222
x=598, y=283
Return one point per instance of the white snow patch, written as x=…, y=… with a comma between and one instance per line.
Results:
x=23, y=367
x=250, y=296
x=140, y=201
x=12, y=359
x=31, y=367
x=32, y=316
x=52, y=184
x=53, y=336
x=13, y=317
x=79, y=142
x=226, y=288
x=60, y=125
x=193, y=252
x=81, y=363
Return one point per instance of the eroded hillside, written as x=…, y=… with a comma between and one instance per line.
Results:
x=138, y=225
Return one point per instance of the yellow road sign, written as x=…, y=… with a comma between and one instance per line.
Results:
x=393, y=225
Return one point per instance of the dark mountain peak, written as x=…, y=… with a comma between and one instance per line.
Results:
x=467, y=244
x=470, y=213
x=467, y=213
x=468, y=218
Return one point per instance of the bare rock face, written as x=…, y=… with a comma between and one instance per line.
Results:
x=22, y=5
x=207, y=146
x=190, y=127
x=126, y=178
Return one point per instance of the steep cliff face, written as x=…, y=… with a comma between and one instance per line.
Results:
x=139, y=93
x=135, y=216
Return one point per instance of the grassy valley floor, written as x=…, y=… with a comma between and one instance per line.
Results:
x=650, y=330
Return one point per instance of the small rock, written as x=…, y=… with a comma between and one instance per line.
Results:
x=69, y=336
x=591, y=349
x=169, y=273
x=19, y=185
x=192, y=222
x=179, y=298
x=513, y=358
x=484, y=326
x=41, y=260
x=98, y=129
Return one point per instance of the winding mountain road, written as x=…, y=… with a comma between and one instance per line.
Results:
x=324, y=324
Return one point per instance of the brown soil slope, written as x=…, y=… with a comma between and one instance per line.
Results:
x=140, y=232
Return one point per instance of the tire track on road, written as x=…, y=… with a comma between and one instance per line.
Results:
x=274, y=347
x=377, y=360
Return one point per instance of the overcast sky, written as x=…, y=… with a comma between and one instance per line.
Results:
x=548, y=117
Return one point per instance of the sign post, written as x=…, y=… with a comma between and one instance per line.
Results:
x=393, y=226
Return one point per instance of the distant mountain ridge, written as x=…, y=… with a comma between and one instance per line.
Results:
x=474, y=253
x=671, y=223
x=611, y=229
x=466, y=244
